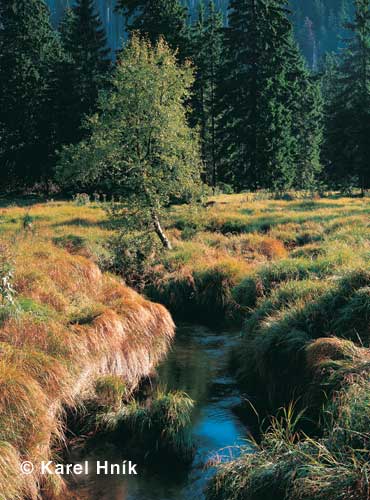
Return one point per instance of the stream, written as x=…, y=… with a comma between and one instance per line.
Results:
x=197, y=364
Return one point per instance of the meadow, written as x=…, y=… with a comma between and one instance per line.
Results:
x=292, y=273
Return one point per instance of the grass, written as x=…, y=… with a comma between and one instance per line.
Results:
x=294, y=273
x=259, y=244
x=72, y=331
x=288, y=464
x=159, y=426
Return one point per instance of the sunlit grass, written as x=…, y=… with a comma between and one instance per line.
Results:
x=69, y=326
x=294, y=272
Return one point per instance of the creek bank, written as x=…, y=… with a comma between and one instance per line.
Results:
x=71, y=326
x=197, y=365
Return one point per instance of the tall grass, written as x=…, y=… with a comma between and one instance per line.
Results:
x=159, y=426
x=75, y=332
x=289, y=465
x=294, y=271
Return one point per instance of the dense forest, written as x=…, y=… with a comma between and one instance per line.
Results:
x=318, y=24
x=259, y=113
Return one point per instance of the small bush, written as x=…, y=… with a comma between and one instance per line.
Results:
x=132, y=256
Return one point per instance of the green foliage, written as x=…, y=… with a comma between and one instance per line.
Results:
x=347, y=147
x=140, y=141
x=83, y=72
x=29, y=53
x=206, y=42
x=156, y=19
x=270, y=107
x=133, y=253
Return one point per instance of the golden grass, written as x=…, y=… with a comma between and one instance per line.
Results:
x=75, y=324
x=72, y=325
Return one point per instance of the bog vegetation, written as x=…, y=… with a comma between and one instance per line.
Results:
x=140, y=142
x=294, y=273
x=65, y=328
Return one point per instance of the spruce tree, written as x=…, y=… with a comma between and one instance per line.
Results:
x=306, y=104
x=348, y=127
x=85, y=69
x=29, y=50
x=263, y=98
x=206, y=52
x=156, y=19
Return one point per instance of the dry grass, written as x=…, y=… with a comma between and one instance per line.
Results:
x=269, y=241
x=71, y=326
x=280, y=264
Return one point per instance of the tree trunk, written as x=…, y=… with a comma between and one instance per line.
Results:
x=161, y=235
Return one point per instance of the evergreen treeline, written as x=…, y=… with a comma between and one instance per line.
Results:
x=318, y=24
x=265, y=119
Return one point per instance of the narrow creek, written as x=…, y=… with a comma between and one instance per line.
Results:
x=197, y=364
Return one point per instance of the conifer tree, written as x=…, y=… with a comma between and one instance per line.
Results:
x=84, y=71
x=156, y=19
x=348, y=112
x=262, y=99
x=29, y=50
x=206, y=52
x=306, y=104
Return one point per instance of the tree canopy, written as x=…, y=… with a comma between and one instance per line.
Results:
x=140, y=141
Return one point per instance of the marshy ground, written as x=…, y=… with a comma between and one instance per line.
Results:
x=294, y=274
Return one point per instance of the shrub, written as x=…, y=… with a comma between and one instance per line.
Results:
x=132, y=255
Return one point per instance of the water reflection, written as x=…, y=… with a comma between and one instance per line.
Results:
x=197, y=365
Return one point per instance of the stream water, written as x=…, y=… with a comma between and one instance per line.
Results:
x=197, y=364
